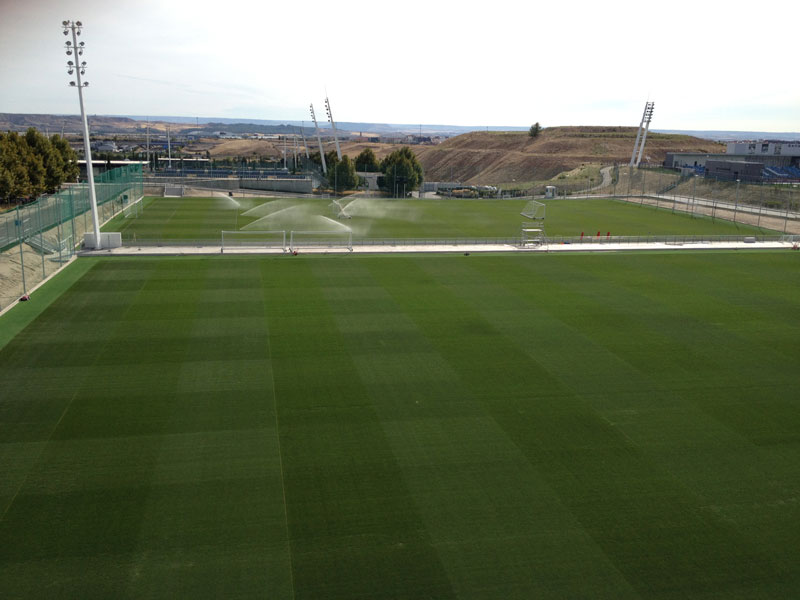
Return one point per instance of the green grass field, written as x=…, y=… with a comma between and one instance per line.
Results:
x=552, y=426
x=204, y=218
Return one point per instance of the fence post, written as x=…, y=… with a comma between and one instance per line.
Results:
x=644, y=178
x=21, y=253
x=41, y=233
x=760, y=204
x=786, y=218
x=72, y=219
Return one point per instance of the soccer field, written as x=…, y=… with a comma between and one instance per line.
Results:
x=553, y=426
x=204, y=218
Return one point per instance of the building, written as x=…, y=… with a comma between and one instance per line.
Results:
x=771, y=153
x=779, y=160
x=734, y=170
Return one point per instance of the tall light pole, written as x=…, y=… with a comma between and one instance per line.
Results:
x=319, y=139
x=76, y=49
x=333, y=127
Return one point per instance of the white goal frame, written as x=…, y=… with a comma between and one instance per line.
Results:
x=324, y=239
x=254, y=239
x=534, y=210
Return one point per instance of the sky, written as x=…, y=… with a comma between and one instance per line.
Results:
x=713, y=65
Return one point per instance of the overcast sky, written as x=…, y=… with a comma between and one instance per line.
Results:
x=706, y=64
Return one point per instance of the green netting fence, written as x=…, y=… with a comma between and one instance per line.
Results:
x=38, y=238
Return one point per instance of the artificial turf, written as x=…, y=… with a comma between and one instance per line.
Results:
x=204, y=218
x=553, y=426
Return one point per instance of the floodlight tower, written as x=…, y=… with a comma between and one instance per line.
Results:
x=73, y=47
x=319, y=139
x=303, y=133
x=333, y=125
x=638, y=150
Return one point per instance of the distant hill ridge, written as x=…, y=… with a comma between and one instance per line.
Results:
x=128, y=123
x=490, y=158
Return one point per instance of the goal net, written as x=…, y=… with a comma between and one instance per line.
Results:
x=342, y=240
x=339, y=210
x=534, y=210
x=533, y=236
x=131, y=208
x=254, y=240
x=172, y=190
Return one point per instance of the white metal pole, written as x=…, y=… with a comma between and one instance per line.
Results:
x=319, y=139
x=148, y=142
x=333, y=126
x=303, y=133
x=87, y=148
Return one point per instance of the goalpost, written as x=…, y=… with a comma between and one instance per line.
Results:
x=321, y=239
x=254, y=240
x=338, y=209
x=533, y=230
x=534, y=210
x=131, y=208
x=173, y=190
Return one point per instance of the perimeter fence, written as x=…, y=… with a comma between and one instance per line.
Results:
x=767, y=205
x=282, y=242
x=38, y=238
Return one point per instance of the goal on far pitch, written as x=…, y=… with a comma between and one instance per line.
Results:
x=533, y=230
x=253, y=239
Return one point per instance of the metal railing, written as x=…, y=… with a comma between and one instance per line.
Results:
x=459, y=242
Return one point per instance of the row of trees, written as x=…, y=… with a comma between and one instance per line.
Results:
x=33, y=164
x=401, y=170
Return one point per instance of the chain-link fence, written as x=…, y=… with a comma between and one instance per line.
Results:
x=768, y=205
x=38, y=238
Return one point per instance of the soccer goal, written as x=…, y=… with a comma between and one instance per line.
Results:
x=533, y=236
x=254, y=240
x=534, y=210
x=335, y=240
x=172, y=190
x=131, y=208
x=338, y=210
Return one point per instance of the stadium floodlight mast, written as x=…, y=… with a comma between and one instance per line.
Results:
x=647, y=116
x=333, y=126
x=79, y=68
x=319, y=139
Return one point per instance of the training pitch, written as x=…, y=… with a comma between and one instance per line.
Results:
x=617, y=426
x=381, y=218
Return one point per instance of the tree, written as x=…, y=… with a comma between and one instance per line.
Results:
x=402, y=172
x=343, y=174
x=535, y=130
x=21, y=171
x=367, y=161
x=52, y=161
x=71, y=170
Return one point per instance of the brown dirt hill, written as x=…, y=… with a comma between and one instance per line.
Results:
x=501, y=157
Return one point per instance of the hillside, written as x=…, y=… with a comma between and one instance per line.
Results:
x=502, y=157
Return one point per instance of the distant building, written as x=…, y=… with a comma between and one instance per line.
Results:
x=771, y=153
